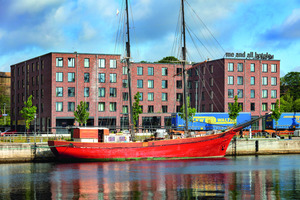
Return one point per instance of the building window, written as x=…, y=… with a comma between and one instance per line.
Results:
x=59, y=91
x=86, y=62
x=101, y=106
x=264, y=67
x=164, y=71
x=164, y=84
x=264, y=80
x=178, y=84
x=101, y=92
x=252, y=93
x=59, y=106
x=230, y=93
x=71, y=62
x=150, y=96
x=125, y=109
x=59, y=77
x=189, y=84
x=240, y=93
x=113, y=63
x=252, y=80
x=273, y=68
x=264, y=107
x=273, y=106
x=112, y=106
x=150, y=109
x=178, y=71
x=71, y=91
x=113, y=78
x=164, y=109
x=113, y=92
x=179, y=97
x=139, y=71
x=101, y=63
x=264, y=93
x=203, y=108
x=230, y=67
x=101, y=77
x=150, y=71
x=252, y=106
x=202, y=96
x=71, y=77
x=252, y=67
x=164, y=96
x=71, y=106
x=125, y=83
x=125, y=96
x=240, y=80
x=241, y=105
x=141, y=96
x=86, y=77
x=273, y=94
x=211, y=81
x=230, y=80
x=150, y=83
x=240, y=67
x=273, y=80
x=59, y=62
x=211, y=94
x=86, y=92
x=124, y=70
x=139, y=83
x=211, y=69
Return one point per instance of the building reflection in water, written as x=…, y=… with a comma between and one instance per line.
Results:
x=164, y=180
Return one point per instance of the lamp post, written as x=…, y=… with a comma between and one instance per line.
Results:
x=34, y=127
x=4, y=113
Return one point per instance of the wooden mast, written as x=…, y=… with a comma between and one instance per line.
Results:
x=129, y=73
x=184, y=71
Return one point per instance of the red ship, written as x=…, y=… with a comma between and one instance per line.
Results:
x=214, y=145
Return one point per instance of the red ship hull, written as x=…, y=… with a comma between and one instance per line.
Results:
x=198, y=147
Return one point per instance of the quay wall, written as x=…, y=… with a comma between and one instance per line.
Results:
x=263, y=147
x=40, y=152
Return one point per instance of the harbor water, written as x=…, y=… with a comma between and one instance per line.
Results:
x=244, y=177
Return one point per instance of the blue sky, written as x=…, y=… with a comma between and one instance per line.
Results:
x=29, y=28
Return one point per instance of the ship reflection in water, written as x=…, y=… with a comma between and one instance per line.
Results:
x=263, y=177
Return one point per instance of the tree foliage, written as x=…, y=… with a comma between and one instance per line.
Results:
x=234, y=109
x=28, y=111
x=276, y=112
x=4, y=102
x=286, y=103
x=136, y=108
x=168, y=59
x=81, y=114
x=291, y=82
x=190, y=111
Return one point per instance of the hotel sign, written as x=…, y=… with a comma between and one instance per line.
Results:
x=251, y=55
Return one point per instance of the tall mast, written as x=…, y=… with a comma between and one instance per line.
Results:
x=129, y=72
x=184, y=71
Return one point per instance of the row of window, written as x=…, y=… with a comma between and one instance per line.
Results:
x=264, y=93
x=240, y=80
x=101, y=107
x=240, y=67
x=71, y=62
x=34, y=67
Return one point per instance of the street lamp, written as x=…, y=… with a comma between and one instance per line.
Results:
x=34, y=126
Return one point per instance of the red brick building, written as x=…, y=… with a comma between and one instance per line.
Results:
x=59, y=81
x=255, y=81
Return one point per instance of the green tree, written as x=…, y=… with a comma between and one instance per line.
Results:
x=136, y=108
x=4, y=106
x=28, y=112
x=291, y=82
x=190, y=111
x=81, y=114
x=234, y=110
x=276, y=112
x=286, y=103
x=168, y=59
x=297, y=105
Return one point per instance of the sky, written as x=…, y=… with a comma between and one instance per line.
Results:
x=30, y=28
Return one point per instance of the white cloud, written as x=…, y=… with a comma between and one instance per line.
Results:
x=87, y=32
x=32, y=6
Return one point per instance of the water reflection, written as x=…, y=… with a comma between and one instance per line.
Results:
x=264, y=177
